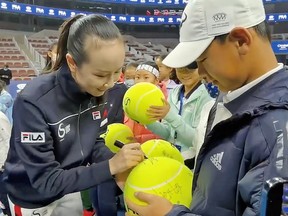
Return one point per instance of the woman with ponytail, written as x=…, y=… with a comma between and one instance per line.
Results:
x=55, y=149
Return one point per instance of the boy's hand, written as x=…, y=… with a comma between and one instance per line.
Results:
x=157, y=206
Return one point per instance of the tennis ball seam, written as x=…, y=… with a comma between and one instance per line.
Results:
x=159, y=185
x=153, y=147
x=141, y=97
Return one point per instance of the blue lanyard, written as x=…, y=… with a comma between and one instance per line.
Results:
x=181, y=99
x=181, y=96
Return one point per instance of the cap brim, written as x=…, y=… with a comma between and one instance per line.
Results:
x=186, y=52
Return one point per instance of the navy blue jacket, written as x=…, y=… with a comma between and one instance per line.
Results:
x=113, y=111
x=242, y=152
x=54, y=147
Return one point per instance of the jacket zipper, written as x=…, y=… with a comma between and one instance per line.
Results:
x=78, y=133
x=90, y=105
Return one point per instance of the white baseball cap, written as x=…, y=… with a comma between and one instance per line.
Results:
x=203, y=20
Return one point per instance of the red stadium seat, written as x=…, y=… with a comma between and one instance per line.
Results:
x=14, y=73
x=25, y=65
x=31, y=72
x=14, y=57
x=22, y=73
x=17, y=65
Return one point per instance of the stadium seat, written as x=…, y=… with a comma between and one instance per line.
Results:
x=25, y=65
x=22, y=73
x=15, y=73
x=31, y=72
x=17, y=65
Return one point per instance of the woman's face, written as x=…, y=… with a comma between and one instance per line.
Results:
x=104, y=63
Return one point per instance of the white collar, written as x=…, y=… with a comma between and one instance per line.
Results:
x=236, y=93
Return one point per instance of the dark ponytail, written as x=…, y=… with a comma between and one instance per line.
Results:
x=62, y=42
x=74, y=33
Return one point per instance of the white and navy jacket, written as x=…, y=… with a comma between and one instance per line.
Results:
x=55, y=147
x=5, y=132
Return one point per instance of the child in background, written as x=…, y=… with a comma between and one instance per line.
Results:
x=167, y=75
x=6, y=100
x=149, y=72
x=145, y=72
x=129, y=72
x=181, y=114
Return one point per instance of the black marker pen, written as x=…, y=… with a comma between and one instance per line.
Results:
x=120, y=145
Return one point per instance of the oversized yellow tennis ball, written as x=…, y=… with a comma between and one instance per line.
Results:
x=117, y=131
x=161, y=176
x=161, y=148
x=139, y=98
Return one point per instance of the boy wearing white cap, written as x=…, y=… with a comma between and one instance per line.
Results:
x=247, y=143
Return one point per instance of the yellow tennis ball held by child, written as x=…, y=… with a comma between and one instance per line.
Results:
x=139, y=98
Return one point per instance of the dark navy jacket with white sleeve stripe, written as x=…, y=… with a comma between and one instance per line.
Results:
x=55, y=147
